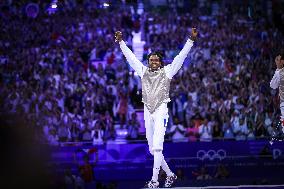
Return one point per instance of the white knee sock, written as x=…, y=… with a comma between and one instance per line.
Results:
x=158, y=157
x=166, y=168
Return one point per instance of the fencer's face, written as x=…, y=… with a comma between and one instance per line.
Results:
x=154, y=62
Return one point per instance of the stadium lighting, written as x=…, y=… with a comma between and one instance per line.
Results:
x=54, y=6
x=106, y=4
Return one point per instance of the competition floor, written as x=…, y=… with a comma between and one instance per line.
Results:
x=241, y=186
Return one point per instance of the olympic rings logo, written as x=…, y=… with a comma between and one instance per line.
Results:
x=211, y=154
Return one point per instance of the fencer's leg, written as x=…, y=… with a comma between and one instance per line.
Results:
x=282, y=115
x=164, y=164
x=157, y=164
x=165, y=167
x=149, y=126
x=164, y=121
x=158, y=138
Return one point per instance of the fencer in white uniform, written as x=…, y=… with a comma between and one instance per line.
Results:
x=277, y=81
x=155, y=95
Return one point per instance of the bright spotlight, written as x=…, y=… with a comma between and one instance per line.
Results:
x=54, y=6
x=106, y=5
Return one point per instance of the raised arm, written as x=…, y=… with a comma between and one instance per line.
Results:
x=130, y=57
x=274, y=83
x=173, y=68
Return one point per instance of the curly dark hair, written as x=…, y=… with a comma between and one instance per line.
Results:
x=159, y=54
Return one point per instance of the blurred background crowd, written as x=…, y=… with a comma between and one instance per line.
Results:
x=62, y=68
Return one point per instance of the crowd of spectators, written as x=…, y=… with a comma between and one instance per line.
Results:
x=222, y=91
x=65, y=72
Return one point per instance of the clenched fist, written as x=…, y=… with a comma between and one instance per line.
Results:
x=118, y=36
x=193, y=34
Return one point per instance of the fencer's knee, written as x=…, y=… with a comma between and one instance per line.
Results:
x=157, y=150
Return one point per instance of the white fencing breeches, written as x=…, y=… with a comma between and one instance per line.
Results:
x=155, y=125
